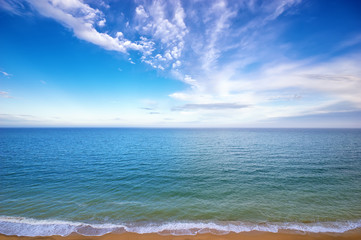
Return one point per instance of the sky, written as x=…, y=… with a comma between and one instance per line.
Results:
x=200, y=63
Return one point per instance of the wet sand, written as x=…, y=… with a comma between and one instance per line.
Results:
x=350, y=235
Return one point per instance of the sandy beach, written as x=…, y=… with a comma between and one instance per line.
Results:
x=350, y=235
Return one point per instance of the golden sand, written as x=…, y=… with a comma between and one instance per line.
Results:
x=350, y=235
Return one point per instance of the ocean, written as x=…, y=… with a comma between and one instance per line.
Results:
x=92, y=181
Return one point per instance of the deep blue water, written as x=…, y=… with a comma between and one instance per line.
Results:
x=151, y=180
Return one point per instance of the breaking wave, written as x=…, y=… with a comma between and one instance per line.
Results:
x=32, y=227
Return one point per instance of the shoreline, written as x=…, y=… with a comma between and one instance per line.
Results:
x=27, y=228
x=253, y=235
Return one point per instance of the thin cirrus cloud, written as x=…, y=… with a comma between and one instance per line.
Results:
x=210, y=106
x=4, y=94
x=5, y=74
x=329, y=82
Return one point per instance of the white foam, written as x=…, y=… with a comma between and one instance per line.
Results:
x=31, y=227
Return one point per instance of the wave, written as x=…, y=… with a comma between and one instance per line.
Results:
x=32, y=227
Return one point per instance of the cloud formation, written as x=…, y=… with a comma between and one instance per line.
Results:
x=162, y=23
x=210, y=106
x=159, y=24
x=5, y=74
x=4, y=94
x=228, y=54
x=81, y=19
x=165, y=29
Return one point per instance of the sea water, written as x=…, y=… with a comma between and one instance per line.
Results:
x=56, y=181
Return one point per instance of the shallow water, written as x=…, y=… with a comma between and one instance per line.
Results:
x=168, y=177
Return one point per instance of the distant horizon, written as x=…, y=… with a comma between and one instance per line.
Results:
x=180, y=64
x=185, y=128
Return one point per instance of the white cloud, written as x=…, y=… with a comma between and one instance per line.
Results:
x=155, y=22
x=176, y=64
x=217, y=18
x=140, y=12
x=210, y=106
x=227, y=61
x=277, y=8
x=81, y=18
x=131, y=61
x=5, y=74
x=167, y=55
x=189, y=80
x=4, y=94
x=13, y=6
x=350, y=42
x=102, y=22
x=161, y=25
x=299, y=88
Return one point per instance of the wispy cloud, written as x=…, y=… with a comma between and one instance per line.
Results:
x=16, y=117
x=4, y=94
x=355, y=40
x=217, y=20
x=82, y=20
x=161, y=34
x=28, y=120
x=166, y=29
x=5, y=74
x=281, y=89
x=162, y=22
x=148, y=108
x=227, y=54
x=210, y=106
x=13, y=6
x=131, y=61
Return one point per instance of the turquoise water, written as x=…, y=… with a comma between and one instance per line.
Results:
x=178, y=181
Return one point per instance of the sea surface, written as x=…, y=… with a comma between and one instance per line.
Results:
x=178, y=181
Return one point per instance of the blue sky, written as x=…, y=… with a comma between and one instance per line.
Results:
x=290, y=63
